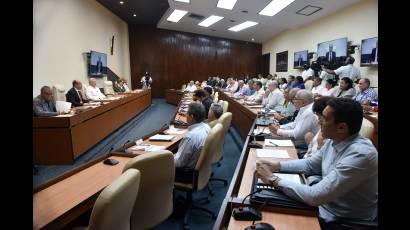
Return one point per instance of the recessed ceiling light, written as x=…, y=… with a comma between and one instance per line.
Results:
x=253, y=39
x=275, y=7
x=210, y=20
x=244, y=11
x=176, y=15
x=121, y=2
x=232, y=20
x=187, y=1
x=134, y=15
x=226, y=4
x=242, y=26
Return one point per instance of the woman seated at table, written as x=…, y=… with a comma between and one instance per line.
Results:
x=119, y=86
x=346, y=89
x=329, y=90
x=288, y=112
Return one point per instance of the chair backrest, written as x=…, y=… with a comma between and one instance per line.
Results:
x=108, y=88
x=216, y=97
x=225, y=119
x=367, y=128
x=204, y=165
x=113, y=207
x=225, y=106
x=59, y=93
x=154, y=201
x=309, y=84
x=183, y=87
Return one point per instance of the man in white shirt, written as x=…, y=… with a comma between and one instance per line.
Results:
x=305, y=121
x=317, y=88
x=308, y=72
x=233, y=86
x=93, y=92
x=348, y=70
x=273, y=97
x=125, y=85
x=191, y=87
x=258, y=94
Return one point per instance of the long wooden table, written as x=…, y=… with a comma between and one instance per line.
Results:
x=173, y=96
x=61, y=139
x=374, y=118
x=280, y=218
x=65, y=198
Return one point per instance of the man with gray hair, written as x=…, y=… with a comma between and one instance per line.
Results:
x=93, y=92
x=43, y=104
x=273, y=97
x=191, y=145
x=365, y=94
x=305, y=121
x=215, y=112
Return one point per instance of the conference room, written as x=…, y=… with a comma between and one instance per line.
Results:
x=193, y=114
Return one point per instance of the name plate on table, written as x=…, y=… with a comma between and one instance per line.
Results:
x=160, y=137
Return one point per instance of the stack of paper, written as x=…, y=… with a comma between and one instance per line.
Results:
x=278, y=143
x=264, y=129
x=159, y=137
x=173, y=130
x=63, y=106
x=146, y=148
x=272, y=153
x=285, y=176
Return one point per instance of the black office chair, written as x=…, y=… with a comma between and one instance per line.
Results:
x=348, y=224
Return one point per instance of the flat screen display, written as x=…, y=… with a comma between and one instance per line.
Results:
x=369, y=52
x=333, y=53
x=98, y=64
x=299, y=59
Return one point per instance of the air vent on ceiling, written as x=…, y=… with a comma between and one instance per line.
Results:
x=308, y=10
x=196, y=16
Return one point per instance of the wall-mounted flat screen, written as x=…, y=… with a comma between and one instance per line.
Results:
x=332, y=53
x=369, y=52
x=299, y=59
x=98, y=64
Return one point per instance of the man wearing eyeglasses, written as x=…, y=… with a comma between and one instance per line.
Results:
x=305, y=121
x=43, y=104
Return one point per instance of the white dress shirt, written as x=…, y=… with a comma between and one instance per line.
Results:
x=325, y=76
x=307, y=73
x=94, y=93
x=349, y=71
x=257, y=96
x=232, y=88
x=328, y=92
x=317, y=89
x=191, y=145
x=191, y=88
x=274, y=100
x=305, y=121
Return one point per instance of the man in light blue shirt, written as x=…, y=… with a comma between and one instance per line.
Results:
x=191, y=145
x=347, y=162
x=366, y=94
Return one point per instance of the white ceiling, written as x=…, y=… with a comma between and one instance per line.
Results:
x=267, y=28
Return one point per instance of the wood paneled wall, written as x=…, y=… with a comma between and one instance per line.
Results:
x=174, y=58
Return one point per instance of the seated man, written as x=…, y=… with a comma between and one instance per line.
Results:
x=215, y=112
x=93, y=92
x=191, y=87
x=273, y=97
x=305, y=121
x=232, y=86
x=243, y=89
x=258, y=94
x=365, y=94
x=43, y=104
x=202, y=96
x=74, y=94
x=347, y=162
x=119, y=86
x=191, y=145
x=125, y=85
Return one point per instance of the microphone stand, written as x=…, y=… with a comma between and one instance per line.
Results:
x=240, y=213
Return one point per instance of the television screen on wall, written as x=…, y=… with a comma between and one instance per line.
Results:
x=299, y=59
x=98, y=64
x=332, y=53
x=369, y=52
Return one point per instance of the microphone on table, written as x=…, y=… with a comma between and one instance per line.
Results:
x=262, y=225
x=247, y=213
x=123, y=146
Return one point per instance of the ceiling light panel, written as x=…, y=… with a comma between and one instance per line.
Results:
x=243, y=26
x=275, y=7
x=210, y=20
x=226, y=4
x=176, y=15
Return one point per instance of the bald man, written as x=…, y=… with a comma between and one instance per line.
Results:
x=93, y=92
x=305, y=121
x=74, y=94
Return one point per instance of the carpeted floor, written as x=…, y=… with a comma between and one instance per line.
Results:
x=151, y=119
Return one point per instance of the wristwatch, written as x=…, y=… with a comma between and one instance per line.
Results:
x=274, y=181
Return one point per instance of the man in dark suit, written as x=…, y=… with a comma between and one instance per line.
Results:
x=300, y=60
x=74, y=95
x=331, y=55
x=99, y=65
x=375, y=54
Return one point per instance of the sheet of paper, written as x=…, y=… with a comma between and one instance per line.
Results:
x=63, y=106
x=159, y=137
x=173, y=130
x=261, y=129
x=277, y=153
x=253, y=105
x=146, y=147
x=285, y=176
x=278, y=143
